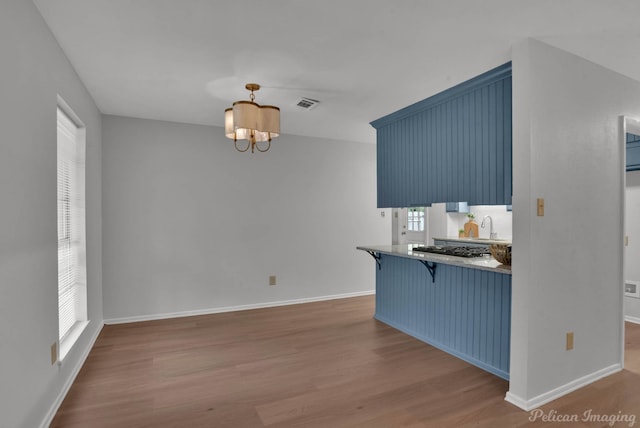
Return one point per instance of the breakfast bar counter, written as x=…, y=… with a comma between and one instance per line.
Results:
x=459, y=305
x=487, y=263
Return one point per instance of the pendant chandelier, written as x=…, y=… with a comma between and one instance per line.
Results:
x=247, y=120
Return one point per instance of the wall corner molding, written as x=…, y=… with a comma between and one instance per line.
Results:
x=560, y=391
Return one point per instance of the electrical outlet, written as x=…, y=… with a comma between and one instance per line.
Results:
x=569, y=341
x=272, y=280
x=632, y=289
x=54, y=352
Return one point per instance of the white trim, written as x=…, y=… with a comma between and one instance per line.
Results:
x=208, y=311
x=65, y=345
x=634, y=320
x=516, y=401
x=62, y=104
x=554, y=394
x=67, y=385
x=622, y=138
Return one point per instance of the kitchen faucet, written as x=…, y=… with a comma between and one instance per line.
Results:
x=492, y=234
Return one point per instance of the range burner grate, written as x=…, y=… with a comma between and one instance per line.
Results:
x=454, y=251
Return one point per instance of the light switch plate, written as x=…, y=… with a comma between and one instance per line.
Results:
x=569, y=341
x=54, y=352
x=540, y=207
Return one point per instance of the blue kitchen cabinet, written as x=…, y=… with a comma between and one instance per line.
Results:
x=457, y=207
x=465, y=312
x=633, y=152
x=453, y=146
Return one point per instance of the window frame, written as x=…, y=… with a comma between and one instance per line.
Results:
x=71, y=226
x=421, y=211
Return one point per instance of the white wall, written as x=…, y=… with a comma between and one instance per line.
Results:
x=632, y=227
x=191, y=225
x=567, y=265
x=439, y=224
x=34, y=71
x=501, y=218
x=446, y=225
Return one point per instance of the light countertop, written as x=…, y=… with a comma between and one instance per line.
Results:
x=476, y=240
x=487, y=263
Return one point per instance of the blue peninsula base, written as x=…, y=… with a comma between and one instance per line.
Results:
x=463, y=311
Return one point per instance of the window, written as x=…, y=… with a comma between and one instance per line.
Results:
x=415, y=219
x=72, y=272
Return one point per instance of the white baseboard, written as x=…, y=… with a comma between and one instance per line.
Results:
x=516, y=401
x=632, y=319
x=67, y=385
x=545, y=398
x=209, y=311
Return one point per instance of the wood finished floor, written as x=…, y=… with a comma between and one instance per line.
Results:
x=325, y=364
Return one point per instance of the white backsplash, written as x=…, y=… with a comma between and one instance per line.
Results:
x=499, y=214
x=442, y=224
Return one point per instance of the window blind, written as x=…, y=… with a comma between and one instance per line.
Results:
x=71, y=246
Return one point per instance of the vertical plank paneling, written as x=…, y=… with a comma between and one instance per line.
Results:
x=500, y=140
x=505, y=324
x=474, y=123
x=466, y=312
x=454, y=146
x=397, y=147
x=416, y=185
x=493, y=143
x=439, y=190
x=405, y=174
x=484, y=143
x=506, y=123
x=458, y=144
x=467, y=161
x=447, y=142
x=400, y=188
x=431, y=151
x=492, y=346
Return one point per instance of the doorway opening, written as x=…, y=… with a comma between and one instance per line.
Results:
x=631, y=239
x=409, y=225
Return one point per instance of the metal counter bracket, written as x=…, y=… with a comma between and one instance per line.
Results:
x=431, y=267
x=375, y=256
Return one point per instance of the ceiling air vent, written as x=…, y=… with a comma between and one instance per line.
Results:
x=307, y=103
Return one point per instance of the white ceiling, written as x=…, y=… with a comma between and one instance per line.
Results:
x=187, y=60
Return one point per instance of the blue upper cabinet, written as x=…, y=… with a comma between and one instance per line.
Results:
x=633, y=152
x=457, y=207
x=453, y=146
